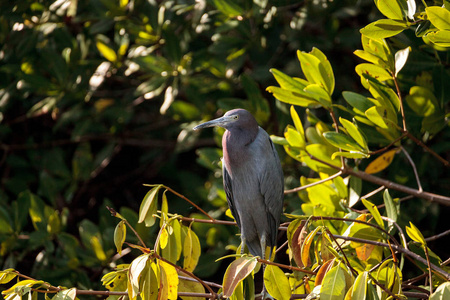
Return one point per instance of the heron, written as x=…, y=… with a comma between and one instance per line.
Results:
x=253, y=180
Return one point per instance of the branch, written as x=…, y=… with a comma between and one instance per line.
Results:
x=426, y=148
x=300, y=188
x=389, y=184
x=411, y=254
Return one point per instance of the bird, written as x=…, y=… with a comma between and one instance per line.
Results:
x=253, y=179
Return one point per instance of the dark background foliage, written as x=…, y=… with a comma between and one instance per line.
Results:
x=99, y=97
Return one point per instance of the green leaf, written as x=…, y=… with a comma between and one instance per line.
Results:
x=69, y=294
x=440, y=38
x=325, y=69
x=297, y=122
x=352, y=154
x=377, y=114
x=357, y=101
x=315, y=70
x=374, y=71
x=120, y=234
x=107, y=52
x=374, y=211
x=401, y=56
x=134, y=273
x=342, y=141
x=384, y=28
x=422, y=101
x=295, y=98
x=149, y=206
x=392, y=9
x=333, y=284
x=236, y=272
x=415, y=234
x=319, y=94
x=294, y=138
x=391, y=209
x=355, y=133
x=360, y=286
x=439, y=17
x=370, y=57
x=276, y=283
x=287, y=82
x=191, y=251
x=442, y=292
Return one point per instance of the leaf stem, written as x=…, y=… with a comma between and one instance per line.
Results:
x=303, y=187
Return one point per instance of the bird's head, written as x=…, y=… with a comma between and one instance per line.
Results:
x=236, y=118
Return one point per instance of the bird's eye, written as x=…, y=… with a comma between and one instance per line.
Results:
x=235, y=117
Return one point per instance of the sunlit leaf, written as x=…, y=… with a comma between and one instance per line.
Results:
x=342, y=141
x=384, y=28
x=306, y=260
x=360, y=286
x=439, y=17
x=439, y=38
x=442, y=292
x=415, y=234
x=374, y=211
x=189, y=286
x=297, y=122
x=374, y=71
x=163, y=238
x=7, y=275
x=355, y=133
x=401, y=56
x=391, y=8
x=236, y=272
x=333, y=285
x=276, y=283
x=323, y=271
x=191, y=251
x=149, y=206
x=107, y=52
x=171, y=279
x=295, y=98
x=296, y=241
x=381, y=162
x=120, y=234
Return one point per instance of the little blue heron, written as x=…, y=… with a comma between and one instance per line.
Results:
x=252, y=179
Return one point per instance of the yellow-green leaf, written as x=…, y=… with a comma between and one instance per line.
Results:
x=7, y=275
x=191, y=251
x=163, y=238
x=442, y=292
x=439, y=17
x=290, y=97
x=188, y=286
x=107, y=52
x=374, y=211
x=381, y=162
x=294, y=138
x=170, y=281
x=342, y=141
x=134, y=273
x=415, y=234
x=149, y=206
x=120, y=234
x=360, y=286
x=384, y=28
x=354, y=132
x=375, y=71
x=276, y=282
x=297, y=122
x=236, y=272
x=333, y=284
x=390, y=8
x=422, y=101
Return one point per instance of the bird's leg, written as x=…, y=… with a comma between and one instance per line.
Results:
x=242, y=245
x=264, y=293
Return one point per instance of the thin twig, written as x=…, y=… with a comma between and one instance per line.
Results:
x=413, y=165
x=426, y=148
x=192, y=203
x=114, y=213
x=376, y=191
x=388, y=146
x=389, y=184
x=214, y=221
x=429, y=269
x=291, y=268
x=399, y=94
x=437, y=236
x=411, y=254
x=355, y=273
x=383, y=287
x=300, y=188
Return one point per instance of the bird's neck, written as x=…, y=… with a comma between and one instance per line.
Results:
x=235, y=145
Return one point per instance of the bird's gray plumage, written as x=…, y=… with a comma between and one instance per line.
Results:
x=252, y=177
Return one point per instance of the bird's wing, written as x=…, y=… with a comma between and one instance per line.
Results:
x=229, y=192
x=272, y=187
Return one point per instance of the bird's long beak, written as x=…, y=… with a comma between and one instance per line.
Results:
x=221, y=122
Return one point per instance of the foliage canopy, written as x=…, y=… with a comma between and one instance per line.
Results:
x=96, y=95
